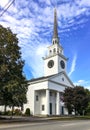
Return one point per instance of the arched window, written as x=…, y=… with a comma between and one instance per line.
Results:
x=53, y=42
x=50, y=51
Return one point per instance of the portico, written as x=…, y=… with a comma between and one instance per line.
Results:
x=47, y=102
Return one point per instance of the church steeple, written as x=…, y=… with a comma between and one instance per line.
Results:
x=55, y=39
x=55, y=61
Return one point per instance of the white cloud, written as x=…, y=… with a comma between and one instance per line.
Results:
x=80, y=82
x=72, y=69
x=33, y=57
x=41, y=50
x=84, y=2
x=3, y=2
x=83, y=83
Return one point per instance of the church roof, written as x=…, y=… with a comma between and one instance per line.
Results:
x=44, y=78
x=40, y=78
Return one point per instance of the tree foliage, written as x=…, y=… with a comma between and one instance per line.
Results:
x=76, y=99
x=68, y=95
x=13, y=86
x=88, y=108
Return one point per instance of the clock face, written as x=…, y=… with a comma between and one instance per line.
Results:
x=62, y=64
x=50, y=63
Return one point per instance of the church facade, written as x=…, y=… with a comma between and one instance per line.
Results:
x=45, y=94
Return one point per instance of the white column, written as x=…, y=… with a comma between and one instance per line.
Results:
x=47, y=102
x=34, y=102
x=58, y=104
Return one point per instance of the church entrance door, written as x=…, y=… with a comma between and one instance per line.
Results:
x=62, y=110
x=50, y=108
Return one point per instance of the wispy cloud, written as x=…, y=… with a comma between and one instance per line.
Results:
x=73, y=65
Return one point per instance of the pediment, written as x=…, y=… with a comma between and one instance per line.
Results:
x=61, y=78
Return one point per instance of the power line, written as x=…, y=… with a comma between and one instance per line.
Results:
x=8, y=5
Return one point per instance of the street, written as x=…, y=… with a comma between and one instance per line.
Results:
x=50, y=125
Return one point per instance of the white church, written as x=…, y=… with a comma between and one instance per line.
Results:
x=45, y=93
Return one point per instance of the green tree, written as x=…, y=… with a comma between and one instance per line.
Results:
x=13, y=85
x=88, y=107
x=68, y=96
x=76, y=99
x=80, y=100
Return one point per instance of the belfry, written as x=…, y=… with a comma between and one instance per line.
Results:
x=45, y=93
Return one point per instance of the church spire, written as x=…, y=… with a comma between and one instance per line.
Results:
x=55, y=33
x=55, y=38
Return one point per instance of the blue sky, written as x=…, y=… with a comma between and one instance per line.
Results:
x=32, y=21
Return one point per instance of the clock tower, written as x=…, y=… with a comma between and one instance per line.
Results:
x=55, y=61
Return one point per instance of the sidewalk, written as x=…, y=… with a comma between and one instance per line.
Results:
x=9, y=119
x=15, y=121
x=31, y=119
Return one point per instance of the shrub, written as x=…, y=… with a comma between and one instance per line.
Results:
x=27, y=112
x=17, y=112
x=1, y=113
x=9, y=113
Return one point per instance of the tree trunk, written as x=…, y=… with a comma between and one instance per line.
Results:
x=12, y=110
x=5, y=109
